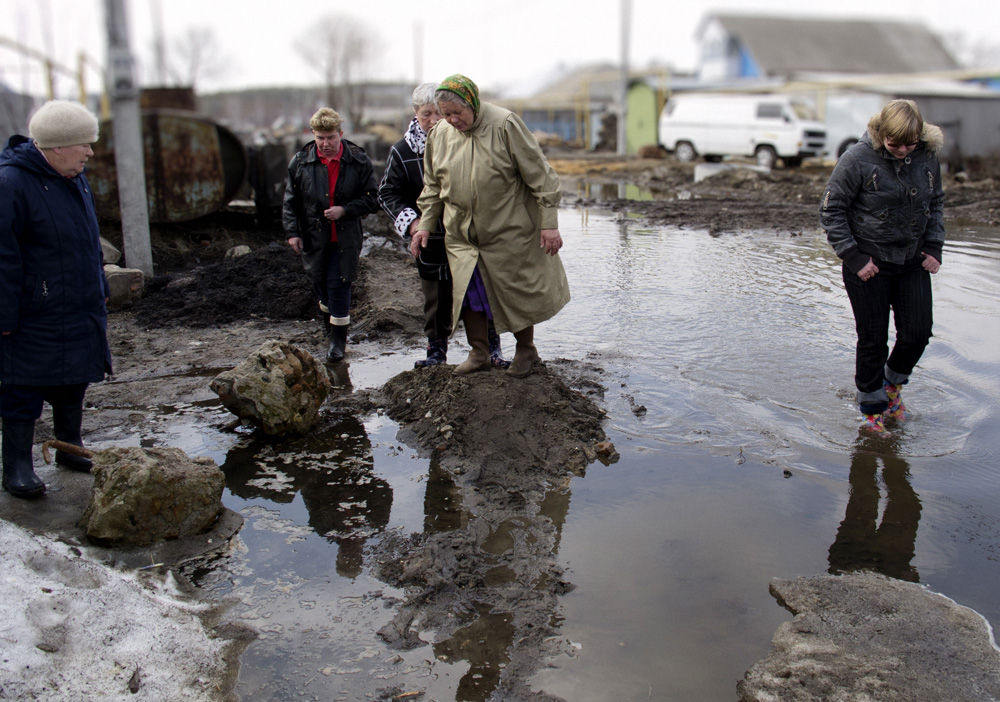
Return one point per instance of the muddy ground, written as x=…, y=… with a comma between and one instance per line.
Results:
x=205, y=313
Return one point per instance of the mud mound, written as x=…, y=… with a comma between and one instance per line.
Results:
x=504, y=451
x=268, y=283
x=499, y=427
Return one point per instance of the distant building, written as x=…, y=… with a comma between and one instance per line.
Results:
x=579, y=108
x=850, y=69
x=14, y=112
x=738, y=46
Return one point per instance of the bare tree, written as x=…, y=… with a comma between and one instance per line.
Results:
x=342, y=50
x=196, y=56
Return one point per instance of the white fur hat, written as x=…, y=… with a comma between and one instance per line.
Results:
x=63, y=123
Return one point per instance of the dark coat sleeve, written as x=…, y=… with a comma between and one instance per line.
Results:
x=291, y=208
x=395, y=192
x=841, y=190
x=362, y=198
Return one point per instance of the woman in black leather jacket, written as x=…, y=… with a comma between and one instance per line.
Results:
x=330, y=188
x=882, y=213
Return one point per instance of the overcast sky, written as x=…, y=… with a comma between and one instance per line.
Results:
x=502, y=46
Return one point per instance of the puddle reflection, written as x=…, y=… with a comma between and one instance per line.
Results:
x=726, y=369
x=487, y=593
x=333, y=471
x=865, y=542
x=442, y=502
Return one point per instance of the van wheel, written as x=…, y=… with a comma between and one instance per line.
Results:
x=766, y=156
x=844, y=146
x=684, y=152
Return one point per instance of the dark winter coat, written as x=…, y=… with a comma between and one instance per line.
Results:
x=307, y=197
x=887, y=209
x=52, y=283
x=397, y=193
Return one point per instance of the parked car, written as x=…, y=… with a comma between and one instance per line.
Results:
x=762, y=127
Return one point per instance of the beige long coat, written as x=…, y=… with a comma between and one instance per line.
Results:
x=495, y=192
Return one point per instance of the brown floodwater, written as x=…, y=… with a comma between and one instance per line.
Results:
x=728, y=367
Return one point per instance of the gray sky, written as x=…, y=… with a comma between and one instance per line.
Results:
x=499, y=49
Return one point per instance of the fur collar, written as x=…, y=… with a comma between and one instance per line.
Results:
x=932, y=136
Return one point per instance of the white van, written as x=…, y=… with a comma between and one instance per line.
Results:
x=763, y=127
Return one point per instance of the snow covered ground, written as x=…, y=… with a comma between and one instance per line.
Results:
x=72, y=629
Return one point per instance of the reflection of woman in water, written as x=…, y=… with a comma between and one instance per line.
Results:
x=346, y=502
x=864, y=543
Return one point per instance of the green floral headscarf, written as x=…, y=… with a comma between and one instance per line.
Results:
x=464, y=88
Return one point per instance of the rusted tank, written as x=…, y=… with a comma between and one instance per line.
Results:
x=194, y=166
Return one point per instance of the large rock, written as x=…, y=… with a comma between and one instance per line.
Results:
x=111, y=253
x=142, y=496
x=868, y=638
x=124, y=284
x=279, y=388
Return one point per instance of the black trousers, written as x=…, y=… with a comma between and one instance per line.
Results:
x=23, y=403
x=437, y=308
x=904, y=291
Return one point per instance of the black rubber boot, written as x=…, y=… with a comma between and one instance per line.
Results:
x=66, y=423
x=437, y=353
x=19, y=477
x=338, y=344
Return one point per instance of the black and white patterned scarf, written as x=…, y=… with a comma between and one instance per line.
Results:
x=415, y=137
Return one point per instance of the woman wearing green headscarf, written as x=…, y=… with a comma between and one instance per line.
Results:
x=487, y=179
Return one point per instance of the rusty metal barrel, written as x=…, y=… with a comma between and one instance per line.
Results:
x=194, y=166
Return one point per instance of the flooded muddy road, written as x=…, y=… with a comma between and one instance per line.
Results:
x=721, y=360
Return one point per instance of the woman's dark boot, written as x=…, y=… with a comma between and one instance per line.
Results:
x=19, y=477
x=338, y=343
x=66, y=423
x=525, y=353
x=437, y=353
x=496, y=352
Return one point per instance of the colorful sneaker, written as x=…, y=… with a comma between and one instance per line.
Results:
x=897, y=410
x=874, y=424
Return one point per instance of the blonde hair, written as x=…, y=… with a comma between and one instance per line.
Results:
x=326, y=120
x=899, y=121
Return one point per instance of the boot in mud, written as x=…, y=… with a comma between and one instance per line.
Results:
x=437, y=353
x=66, y=423
x=19, y=477
x=525, y=353
x=478, y=336
x=338, y=343
x=497, y=359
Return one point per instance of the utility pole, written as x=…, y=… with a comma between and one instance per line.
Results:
x=128, y=142
x=418, y=52
x=626, y=19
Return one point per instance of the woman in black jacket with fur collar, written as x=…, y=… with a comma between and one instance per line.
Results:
x=882, y=213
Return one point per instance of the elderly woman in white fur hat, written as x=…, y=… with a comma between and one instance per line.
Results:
x=53, y=320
